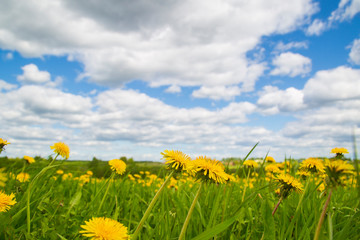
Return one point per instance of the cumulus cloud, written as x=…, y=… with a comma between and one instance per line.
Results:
x=217, y=93
x=173, y=89
x=32, y=75
x=332, y=85
x=187, y=43
x=354, y=55
x=347, y=9
x=6, y=86
x=273, y=100
x=292, y=64
x=317, y=27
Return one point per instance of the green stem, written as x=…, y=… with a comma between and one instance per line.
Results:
x=322, y=216
x=187, y=220
x=106, y=192
x=150, y=207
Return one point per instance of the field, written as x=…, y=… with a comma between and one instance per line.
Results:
x=248, y=200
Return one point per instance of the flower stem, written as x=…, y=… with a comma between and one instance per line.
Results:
x=277, y=205
x=106, y=192
x=322, y=216
x=187, y=220
x=150, y=207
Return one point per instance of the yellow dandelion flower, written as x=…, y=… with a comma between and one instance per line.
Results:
x=339, y=150
x=288, y=184
x=337, y=169
x=210, y=170
x=141, y=172
x=118, y=166
x=250, y=163
x=90, y=173
x=147, y=172
x=272, y=168
x=101, y=228
x=6, y=201
x=30, y=160
x=23, y=177
x=313, y=165
x=270, y=159
x=3, y=143
x=60, y=172
x=178, y=160
x=61, y=149
x=3, y=177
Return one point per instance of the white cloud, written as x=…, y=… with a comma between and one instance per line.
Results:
x=354, y=55
x=173, y=89
x=6, y=86
x=273, y=100
x=186, y=43
x=347, y=10
x=9, y=56
x=32, y=75
x=292, y=64
x=336, y=84
x=317, y=27
x=217, y=93
x=285, y=47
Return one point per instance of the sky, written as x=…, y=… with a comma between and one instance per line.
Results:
x=134, y=78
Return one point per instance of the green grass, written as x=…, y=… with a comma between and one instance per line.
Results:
x=59, y=207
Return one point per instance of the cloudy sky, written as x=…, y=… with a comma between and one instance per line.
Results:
x=133, y=78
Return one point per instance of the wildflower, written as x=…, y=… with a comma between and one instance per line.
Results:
x=61, y=149
x=336, y=170
x=339, y=152
x=3, y=143
x=6, y=201
x=178, y=160
x=288, y=184
x=3, y=177
x=272, y=168
x=313, y=165
x=270, y=159
x=60, y=172
x=118, y=166
x=30, y=160
x=89, y=173
x=210, y=170
x=23, y=177
x=250, y=163
x=101, y=228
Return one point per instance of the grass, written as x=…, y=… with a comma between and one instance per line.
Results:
x=236, y=210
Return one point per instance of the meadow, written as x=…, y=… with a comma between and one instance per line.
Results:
x=181, y=198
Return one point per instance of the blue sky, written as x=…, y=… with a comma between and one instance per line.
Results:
x=204, y=77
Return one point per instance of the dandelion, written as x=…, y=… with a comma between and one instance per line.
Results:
x=270, y=159
x=210, y=170
x=313, y=165
x=23, y=177
x=3, y=177
x=118, y=166
x=339, y=152
x=272, y=168
x=177, y=160
x=61, y=149
x=6, y=201
x=250, y=164
x=89, y=173
x=337, y=169
x=287, y=184
x=3, y=143
x=60, y=172
x=101, y=228
x=29, y=160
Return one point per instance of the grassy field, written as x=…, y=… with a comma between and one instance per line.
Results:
x=54, y=204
